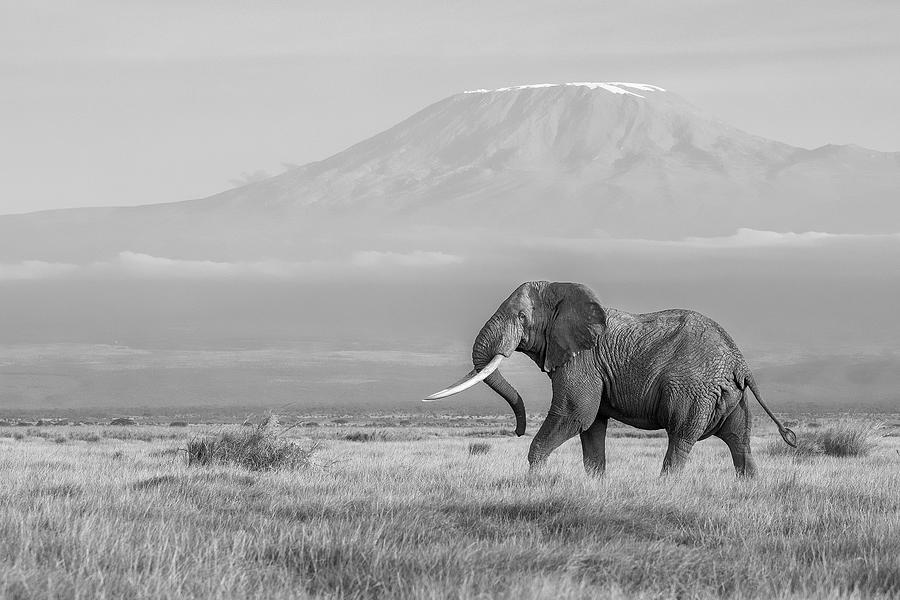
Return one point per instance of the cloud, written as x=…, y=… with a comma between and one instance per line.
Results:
x=145, y=266
x=417, y=258
x=30, y=270
x=742, y=239
x=754, y=238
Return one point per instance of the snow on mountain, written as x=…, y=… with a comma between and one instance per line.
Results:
x=625, y=159
x=616, y=87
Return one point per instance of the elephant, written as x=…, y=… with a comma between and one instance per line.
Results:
x=676, y=370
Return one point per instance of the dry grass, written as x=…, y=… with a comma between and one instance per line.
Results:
x=843, y=438
x=258, y=448
x=849, y=439
x=420, y=519
x=476, y=448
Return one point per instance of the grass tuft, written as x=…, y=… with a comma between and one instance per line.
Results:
x=479, y=448
x=368, y=436
x=843, y=439
x=849, y=439
x=259, y=448
x=491, y=432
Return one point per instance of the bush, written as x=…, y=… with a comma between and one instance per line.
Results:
x=61, y=439
x=844, y=439
x=178, y=424
x=848, y=439
x=123, y=421
x=18, y=435
x=368, y=436
x=257, y=449
x=479, y=448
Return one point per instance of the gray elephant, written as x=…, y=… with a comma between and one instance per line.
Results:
x=675, y=369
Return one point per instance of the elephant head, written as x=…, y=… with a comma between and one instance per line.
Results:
x=549, y=322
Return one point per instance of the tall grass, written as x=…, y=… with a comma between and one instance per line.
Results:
x=847, y=438
x=258, y=448
x=476, y=448
x=421, y=519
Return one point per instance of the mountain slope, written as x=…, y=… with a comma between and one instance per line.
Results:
x=624, y=160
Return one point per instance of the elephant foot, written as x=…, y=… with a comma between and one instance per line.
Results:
x=536, y=466
x=594, y=470
x=746, y=469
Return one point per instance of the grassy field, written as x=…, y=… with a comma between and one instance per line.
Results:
x=413, y=512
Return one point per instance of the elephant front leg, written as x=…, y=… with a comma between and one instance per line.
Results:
x=577, y=389
x=593, y=447
x=555, y=430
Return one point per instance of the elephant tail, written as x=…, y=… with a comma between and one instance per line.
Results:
x=789, y=436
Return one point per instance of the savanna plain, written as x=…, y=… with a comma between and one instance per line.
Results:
x=414, y=507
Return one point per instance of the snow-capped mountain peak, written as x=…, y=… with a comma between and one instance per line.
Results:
x=615, y=87
x=628, y=159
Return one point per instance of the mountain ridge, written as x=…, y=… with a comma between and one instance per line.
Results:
x=623, y=158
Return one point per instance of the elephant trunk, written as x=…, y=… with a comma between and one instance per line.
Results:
x=499, y=337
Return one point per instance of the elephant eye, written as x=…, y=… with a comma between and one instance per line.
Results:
x=522, y=315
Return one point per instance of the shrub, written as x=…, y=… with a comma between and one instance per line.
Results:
x=257, y=449
x=60, y=439
x=479, y=448
x=178, y=424
x=844, y=439
x=848, y=439
x=18, y=435
x=123, y=421
x=368, y=436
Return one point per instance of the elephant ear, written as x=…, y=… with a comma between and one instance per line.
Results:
x=576, y=316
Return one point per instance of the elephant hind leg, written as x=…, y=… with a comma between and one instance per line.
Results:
x=593, y=447
x=735, y=432
x=677, y=454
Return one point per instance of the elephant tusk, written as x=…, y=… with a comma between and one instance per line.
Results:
x=468, y=381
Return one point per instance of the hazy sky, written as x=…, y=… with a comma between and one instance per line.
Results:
x=111, y=102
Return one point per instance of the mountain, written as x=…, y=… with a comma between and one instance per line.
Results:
x=359, y=281
x=596, y=159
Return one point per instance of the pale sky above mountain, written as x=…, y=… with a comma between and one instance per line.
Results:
x=112, y=103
